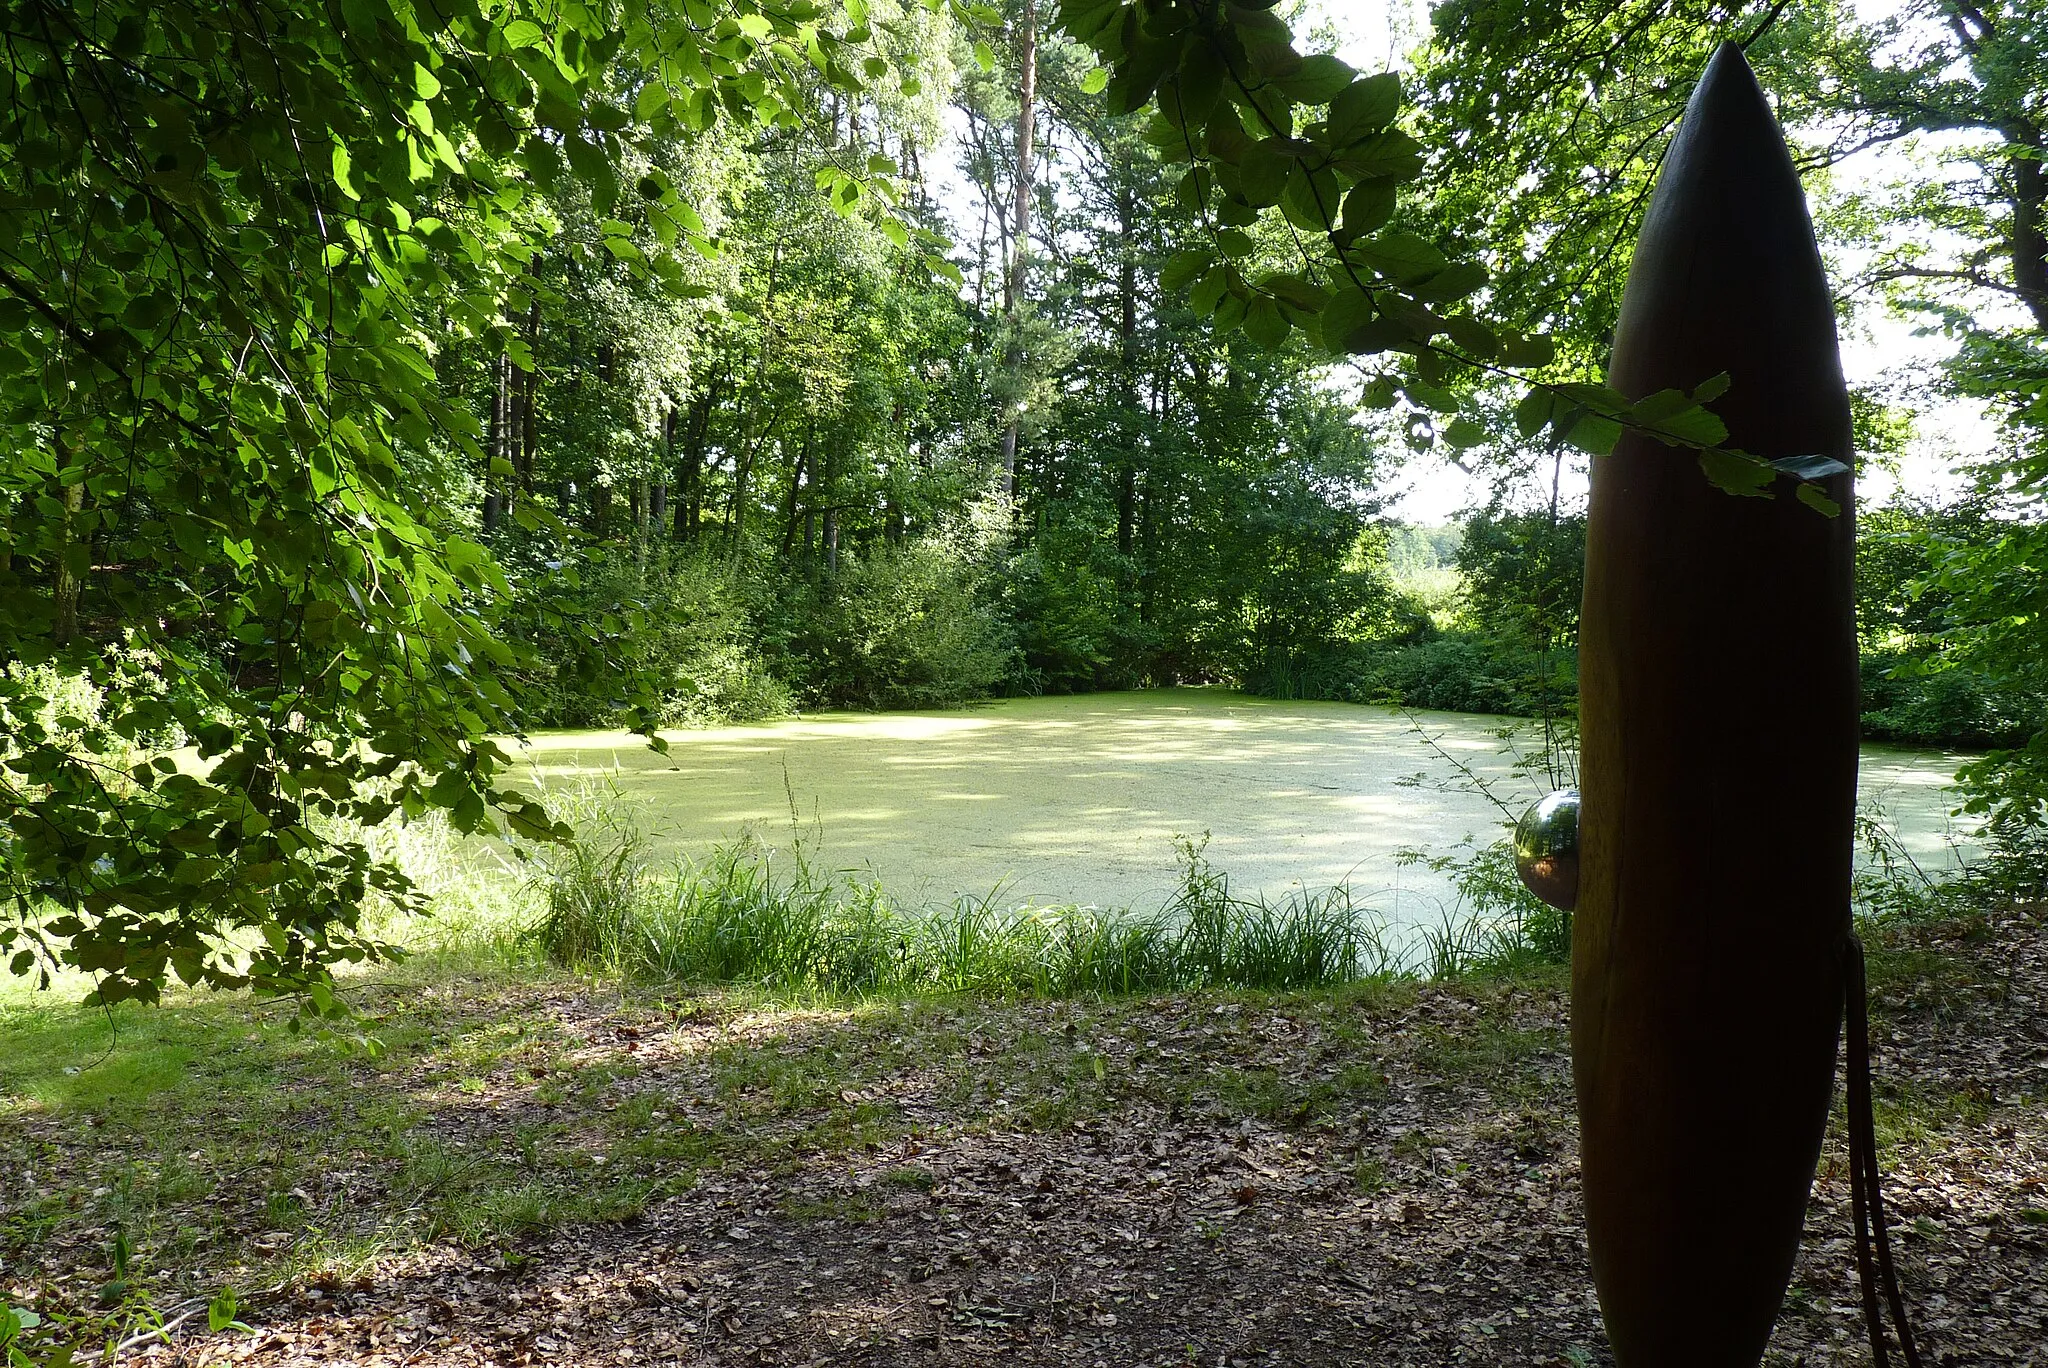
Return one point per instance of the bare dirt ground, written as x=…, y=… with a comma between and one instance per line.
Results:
x=1383, y=1176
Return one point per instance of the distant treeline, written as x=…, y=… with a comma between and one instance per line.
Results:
x=1477, y=616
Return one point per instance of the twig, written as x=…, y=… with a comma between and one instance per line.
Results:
x=162, y=1330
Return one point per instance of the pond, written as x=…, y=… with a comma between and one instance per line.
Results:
x=1079, y=799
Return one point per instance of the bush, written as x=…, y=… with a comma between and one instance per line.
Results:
x=680, y=621
x=1499, y=926
x=1465, y=673
x=904, y=627
x=1074, y=632
x=1951, y=707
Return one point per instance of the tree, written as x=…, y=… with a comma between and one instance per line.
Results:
x=237, y=238
x=1545, y=124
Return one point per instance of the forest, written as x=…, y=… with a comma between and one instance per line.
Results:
x=386, y=381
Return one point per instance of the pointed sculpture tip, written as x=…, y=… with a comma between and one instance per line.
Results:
x=1729, y=63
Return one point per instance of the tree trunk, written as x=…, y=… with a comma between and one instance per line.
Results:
x=1020, y=241
x=789, y=505
x=1127, y=372
x=689, y=515
x=529, y=424
x=494, y=449
x=2029, y=236
x=826, y=490
x=69, y=584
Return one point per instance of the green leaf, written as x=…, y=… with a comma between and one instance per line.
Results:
x=985, y=58
x=1348, y=311
x=1454, y=282
x=1368, y=207
x=1229, y=312
x=1534, y=411
x=1812, y=496
x=1464, y=434
x=1316, y=81
x=524, y=33
x=1295, y=292
x=1473, y=337
x=1392, y=154
x=1310, y=199
x=343, y=167
x=1263, y=172
x=1264, y=323
x=1594, y=434
x=1204, y=297
x=1094, y=82
x=1737, y=473
x=1193, y=93
x=1432, y=397
x=1226, y=138
x=1808, y=467
x=1527, y=353
x=1183, y=267
x=1365, y=107
x=1398, y=255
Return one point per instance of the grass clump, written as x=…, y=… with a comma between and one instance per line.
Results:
x=752, y=915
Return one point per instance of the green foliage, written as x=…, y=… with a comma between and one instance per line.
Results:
x=1907, y=700
x=749, y=915
x=904, y=627
x=1524, y=574
x=694, y=643
x=1548, y=123
x=1467, y=672
x=1500, y=927
x=241, y=237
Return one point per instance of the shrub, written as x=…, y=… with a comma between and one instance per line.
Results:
x=1947, y=707
x=1074, y=632
x=691, y=639
x=1464, y=673
x=1499, y=925
x=905, y=627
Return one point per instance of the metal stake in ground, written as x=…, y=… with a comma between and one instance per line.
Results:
x=1718, y=763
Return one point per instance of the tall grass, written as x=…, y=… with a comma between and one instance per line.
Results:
x=755, y=915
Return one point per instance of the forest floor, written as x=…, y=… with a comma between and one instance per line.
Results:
x=542, y=1170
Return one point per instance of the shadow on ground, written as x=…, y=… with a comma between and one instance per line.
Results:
x=541, y=1171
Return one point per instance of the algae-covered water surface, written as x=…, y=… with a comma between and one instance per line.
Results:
x=1078, y=799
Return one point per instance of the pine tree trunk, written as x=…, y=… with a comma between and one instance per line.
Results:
x=1020, y=241
x=1127, y=290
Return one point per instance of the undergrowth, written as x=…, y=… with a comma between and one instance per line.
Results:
x=755, y=915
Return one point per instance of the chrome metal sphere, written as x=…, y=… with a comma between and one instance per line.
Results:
x=1547, y=849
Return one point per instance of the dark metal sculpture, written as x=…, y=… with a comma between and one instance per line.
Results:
x=1718, y=763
